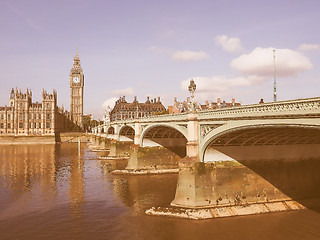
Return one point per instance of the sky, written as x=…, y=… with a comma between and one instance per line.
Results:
x=153, y=48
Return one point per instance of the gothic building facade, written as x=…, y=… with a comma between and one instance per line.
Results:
x=23, y=117
x=124, y=110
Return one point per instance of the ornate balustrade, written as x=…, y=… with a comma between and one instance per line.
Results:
x=307, y=107
x=294, y=107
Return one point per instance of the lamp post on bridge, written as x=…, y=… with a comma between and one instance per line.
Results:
x=192, y=88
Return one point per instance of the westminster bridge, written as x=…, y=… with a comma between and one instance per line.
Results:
x=252, y=153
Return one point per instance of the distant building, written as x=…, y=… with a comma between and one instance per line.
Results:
x=76, y=82
x=23, y=117
x=185, y=106
x=106, y=116
x=124, y=110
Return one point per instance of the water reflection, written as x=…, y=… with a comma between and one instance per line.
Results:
x=76, y=189
x=47, y=192
x=22, y=167
x=33, y=173
x=139, y=192
x=142, y=192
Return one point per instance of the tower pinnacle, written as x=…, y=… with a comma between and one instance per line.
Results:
x=76, y=57
x=76, y=63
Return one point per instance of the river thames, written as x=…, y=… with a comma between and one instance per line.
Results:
x=48, y=192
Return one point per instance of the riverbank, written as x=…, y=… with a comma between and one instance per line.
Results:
x=43, y=139
x=12, y=140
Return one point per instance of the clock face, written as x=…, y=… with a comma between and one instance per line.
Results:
x=76, y=79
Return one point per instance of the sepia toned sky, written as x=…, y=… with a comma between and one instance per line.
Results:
x=153, y=48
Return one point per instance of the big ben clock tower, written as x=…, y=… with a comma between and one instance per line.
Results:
x=76, y=91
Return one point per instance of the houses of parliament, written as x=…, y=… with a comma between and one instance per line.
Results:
x=23, y=117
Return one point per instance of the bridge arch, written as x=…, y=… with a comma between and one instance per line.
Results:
x=110, y=130
x=246, y=136
x=182, y=130
x=126, y=133
x=169, y=136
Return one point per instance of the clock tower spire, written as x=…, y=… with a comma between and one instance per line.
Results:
x=76, y=91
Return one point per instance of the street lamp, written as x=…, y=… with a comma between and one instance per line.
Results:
x=192, y=88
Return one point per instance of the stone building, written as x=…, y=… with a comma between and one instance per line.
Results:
x=76, y=92
x=23, y=117
x=106, y=115
x=185, y=106
x=124, y=110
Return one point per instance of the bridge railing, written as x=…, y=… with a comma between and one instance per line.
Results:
x=292, y=107
x=175, y=116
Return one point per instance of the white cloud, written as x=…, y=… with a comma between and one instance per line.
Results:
x=188, y=56
x=123, y=92
x=109, y=102
x=259, y=62
x=221, y=83
x=231, y=45
x=183, y=56
x=309, y=47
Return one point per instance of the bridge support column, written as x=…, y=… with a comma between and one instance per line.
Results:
x=119, y=149
x=137, y=132
x=94, y=140
x=103, y=142
x=186, y=192
x=252, y=178
x=116, y=132
x=193, y=138
x=223, y=184
x=151, y=158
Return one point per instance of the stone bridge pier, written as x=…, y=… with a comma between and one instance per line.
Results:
x=94, y=140
x=272, y=164
x=156, y=148
x=119, y=149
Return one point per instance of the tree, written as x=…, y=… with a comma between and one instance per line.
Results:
x=89, y=123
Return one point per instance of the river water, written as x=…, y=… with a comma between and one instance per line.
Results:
x=48, y=192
